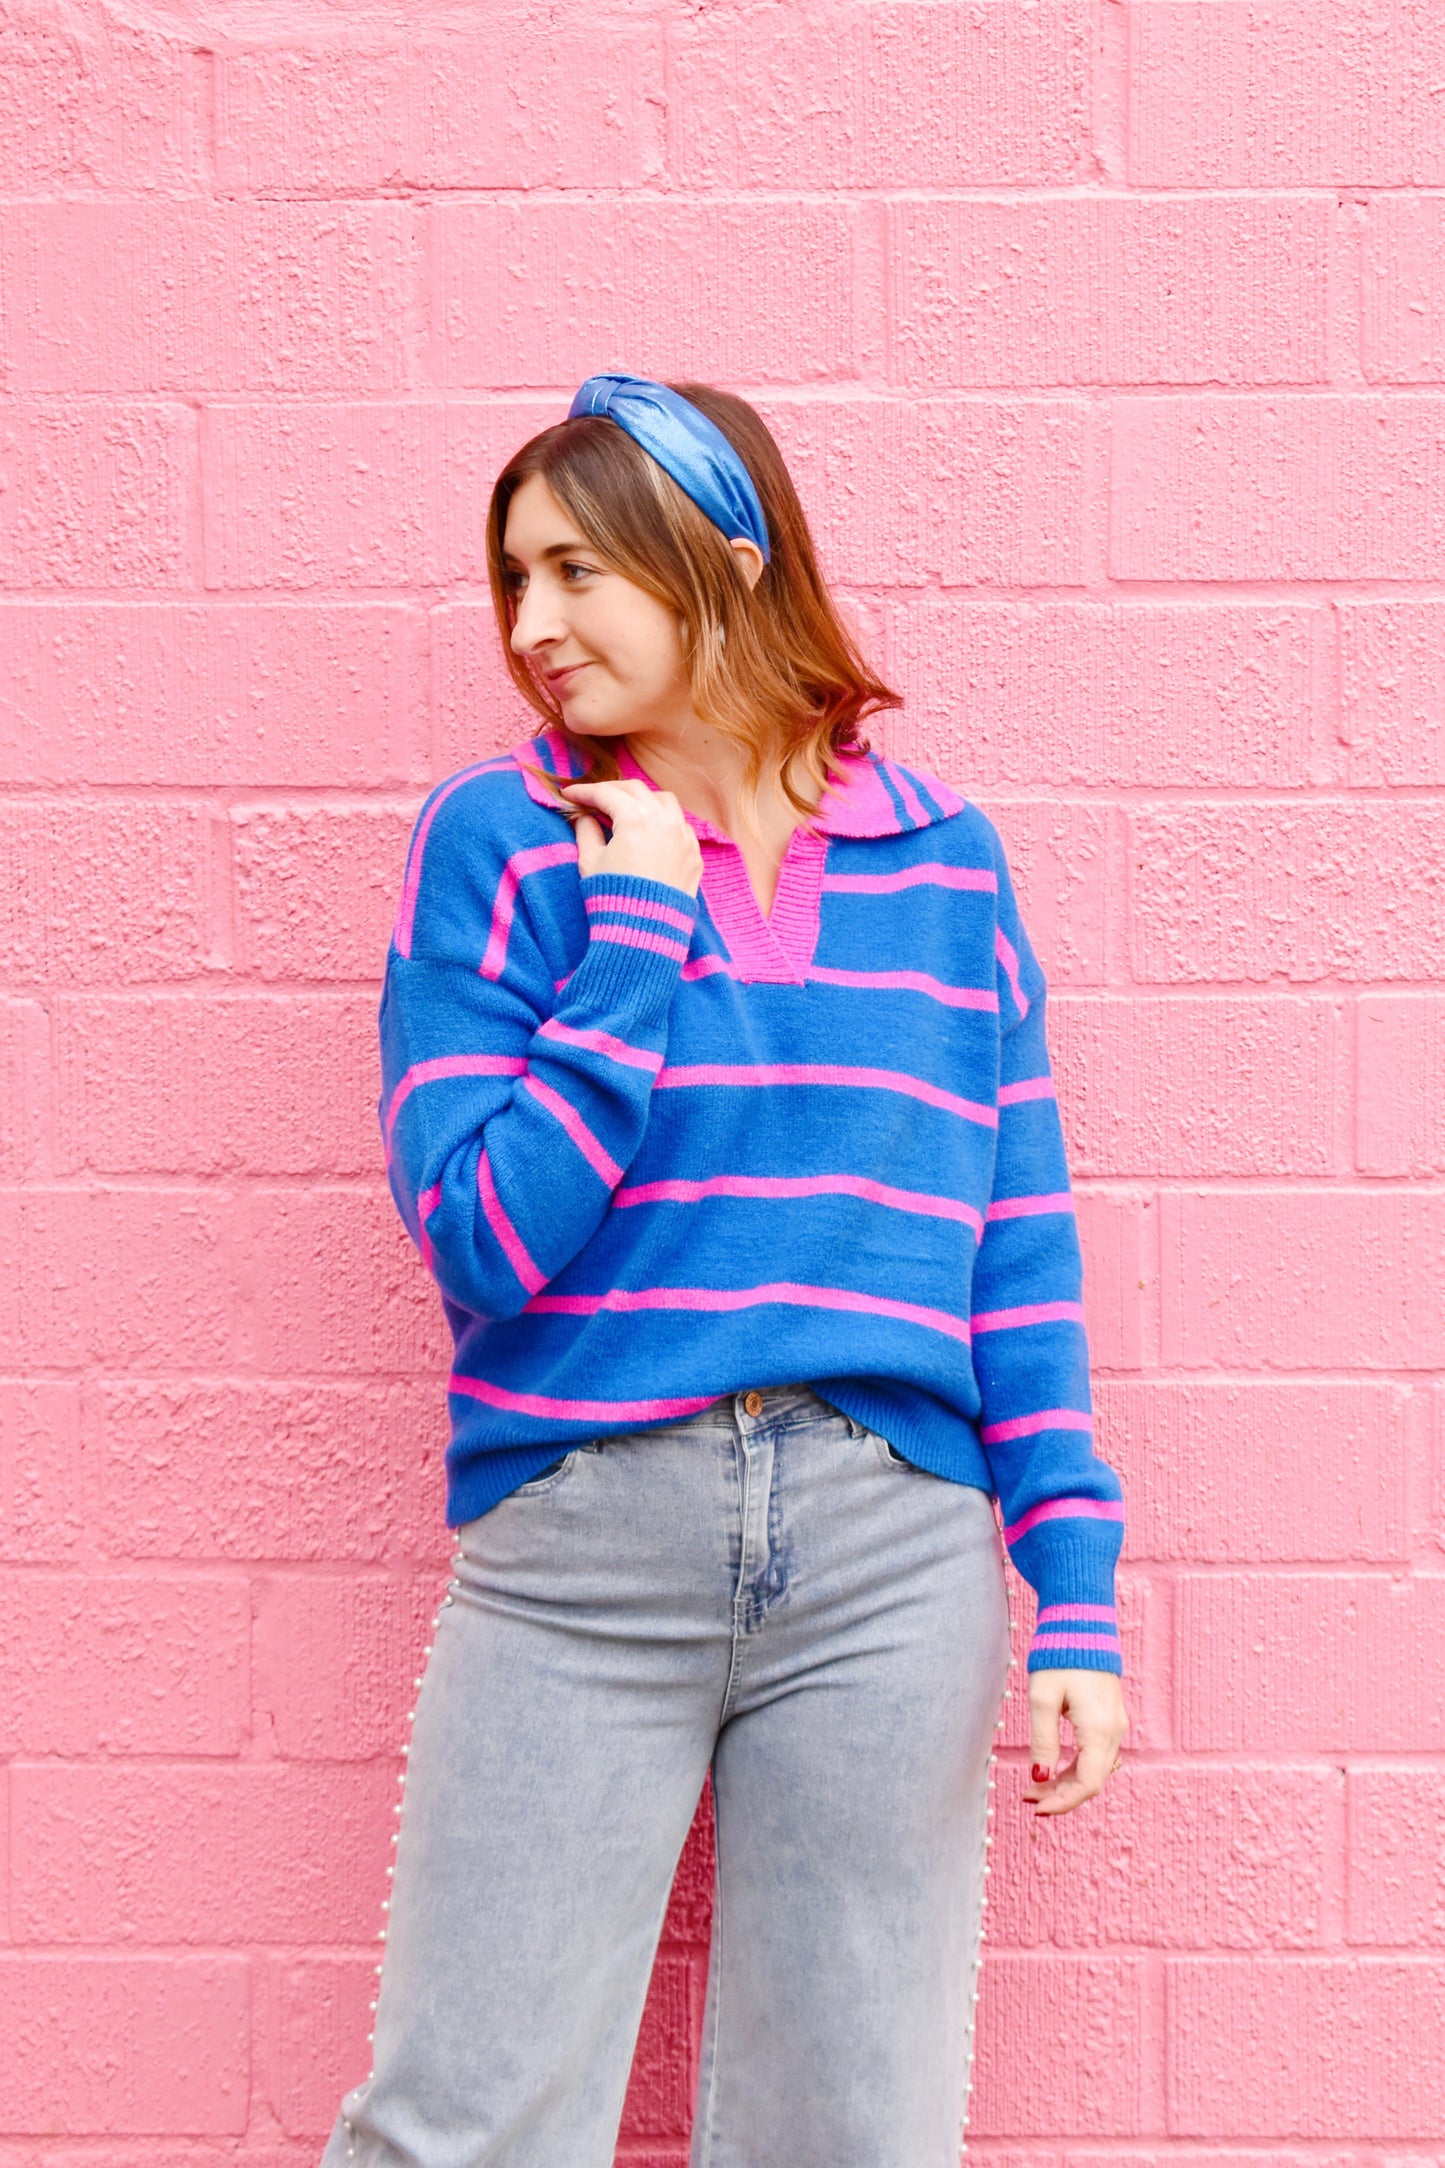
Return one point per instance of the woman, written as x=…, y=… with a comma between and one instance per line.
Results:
x=716, y=1097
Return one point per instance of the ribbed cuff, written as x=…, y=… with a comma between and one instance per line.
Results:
x=1070, y=1566
x=641, y=932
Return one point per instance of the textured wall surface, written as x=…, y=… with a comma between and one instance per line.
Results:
x=1107, y=340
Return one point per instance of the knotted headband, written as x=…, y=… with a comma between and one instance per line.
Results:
x=686, y=445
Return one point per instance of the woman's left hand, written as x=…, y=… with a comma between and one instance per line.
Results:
x=1093, y=1701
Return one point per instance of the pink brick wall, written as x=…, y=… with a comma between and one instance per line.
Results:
x=1107, y=339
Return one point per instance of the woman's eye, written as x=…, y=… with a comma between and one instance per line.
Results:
x=569, y=568
x=514, y=582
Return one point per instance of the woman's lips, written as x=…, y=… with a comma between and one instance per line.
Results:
x=559, y=680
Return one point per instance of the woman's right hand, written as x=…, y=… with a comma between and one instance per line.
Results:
x=650, y=836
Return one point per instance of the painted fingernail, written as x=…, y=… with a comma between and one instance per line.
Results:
x=1040, y=1773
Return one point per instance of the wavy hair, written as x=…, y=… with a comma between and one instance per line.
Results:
x=773, y=666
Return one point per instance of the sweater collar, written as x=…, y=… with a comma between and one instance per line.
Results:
x=869, y=796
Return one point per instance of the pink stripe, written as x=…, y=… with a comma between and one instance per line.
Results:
x=1065, y=1509
x=769, y=1073
x=1028, y=1313
x=1029, y=1426
x=748, y=1298
x=1056, y=1200
x=601, y=1042
x=411, y=880
x=575, y=1411
x=512, y=1246
x=802, y=1185
x=1032, y=1087
x=705, y=967
x=930, y=875
x=426, y=1204
x=445, y=1065
x=597, y=1158
x=909, y=795
x=1075, y=1641
x=1051, y=1613
x=633, y=937
x=911, y=982
x=1008, y=957
x=513, y=874
x=638, y=907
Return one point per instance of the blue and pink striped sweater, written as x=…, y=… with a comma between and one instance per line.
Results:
x=656, y=1150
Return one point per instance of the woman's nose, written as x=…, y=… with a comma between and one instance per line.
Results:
x=536, y=622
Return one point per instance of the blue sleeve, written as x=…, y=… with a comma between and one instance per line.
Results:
x=1062, y=1506
x=510, y=1107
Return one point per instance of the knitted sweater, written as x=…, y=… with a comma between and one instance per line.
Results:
x=656, y=1150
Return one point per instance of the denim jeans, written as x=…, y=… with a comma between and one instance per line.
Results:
x=780, y=1598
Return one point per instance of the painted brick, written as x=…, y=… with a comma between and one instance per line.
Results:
x=152, y=693
x=1400, y=1084
x=1218, y=1473
x=1059, y=2047
x=118, y=2045
x=1392, y=666
x=689, y=1909
x=968, y=492
x=96, y=495
x=336, y=1286
x=1186, y=2156
x=1296, y=487
x=1303, y=1278
x=1108, y=290
x=533, y=294
x=1198, y=1087
x=496, y=110
x=659, y=2094
x=24, y=1087
x=1174, y=1858
x=106, y=889
x=244, y=1469
x=1290, y=891
x=205, y=1084
x=1397, y=1858
x=182, y=296
x=476, y=709
x=897, y=95
x=113, y=1663
x=335, y=1657
x=258, y=1852
x=316, y=888
x=382, y=495
x=1285, y=93
x=122, y=1276
x=1403, y=325
x=1117, y=695
x=1267, y=2046
x=43, y=1494
x=108, y=109
x=1291, y=1663
x=1061, y=863
x=1116, y=1233
x=263, y=2151
x=312, y=2027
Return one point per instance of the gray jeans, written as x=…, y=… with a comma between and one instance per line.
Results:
x=778, y=1597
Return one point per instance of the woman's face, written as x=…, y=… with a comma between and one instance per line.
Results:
x=608, y=652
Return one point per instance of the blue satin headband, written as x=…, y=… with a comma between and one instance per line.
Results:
x=686, y=444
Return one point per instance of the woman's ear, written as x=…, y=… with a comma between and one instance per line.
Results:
x=749, y=556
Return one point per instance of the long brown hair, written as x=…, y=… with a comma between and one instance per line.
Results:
x=773, y=666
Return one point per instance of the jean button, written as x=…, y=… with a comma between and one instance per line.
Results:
x=753, y=1403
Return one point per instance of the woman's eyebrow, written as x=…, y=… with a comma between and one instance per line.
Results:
x=555, y=549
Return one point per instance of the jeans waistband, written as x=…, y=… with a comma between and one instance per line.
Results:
x=782, y=1405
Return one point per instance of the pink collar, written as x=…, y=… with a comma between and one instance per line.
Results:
x=869, y=797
